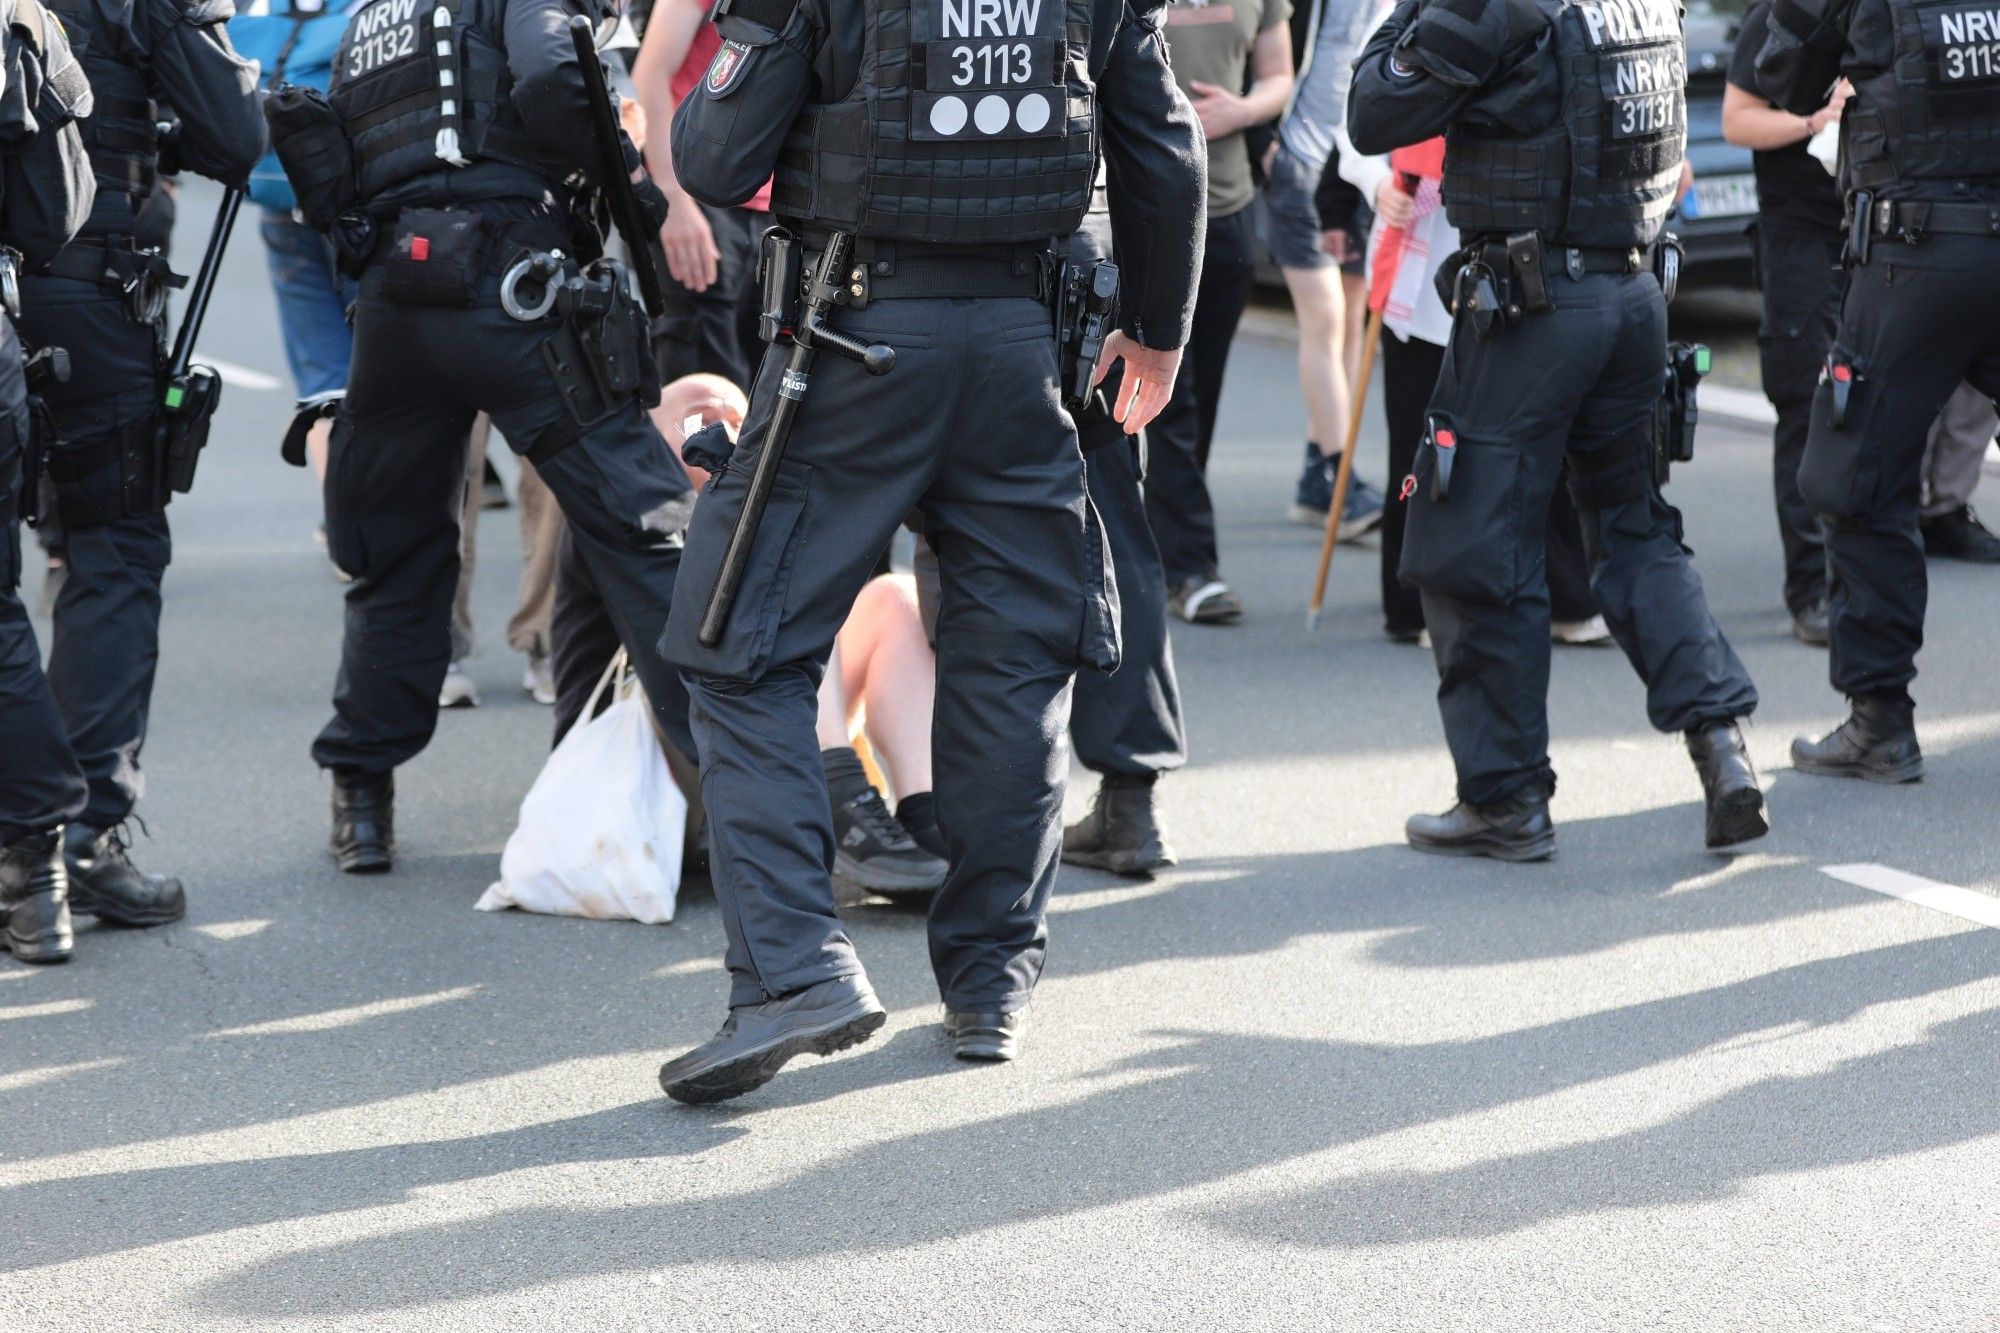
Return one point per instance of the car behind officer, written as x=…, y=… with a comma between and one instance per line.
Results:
x=104, y=300
x=1565, y=127
x=958, y=142
x=48, y=194
x=448, y=167
x=1920, y=164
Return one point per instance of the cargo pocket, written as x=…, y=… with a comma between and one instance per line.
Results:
x=1839, y=474
x=343, y=535
x=1463, y=537
x=752, y=628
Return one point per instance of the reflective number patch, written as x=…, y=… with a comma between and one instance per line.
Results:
x=1962, y=45
x=991, y=68
x=1642, y=114
x=1026, y=62
x=383, y=34
x=726, y=70
x=1036, y=114
x=1643, y=93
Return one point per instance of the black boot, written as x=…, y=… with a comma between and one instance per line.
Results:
x=1516, y=827
x=364, y=821
x=985, y=1035
x=1878, y=743
x=757, y=1040
x=34, y=898
x=1735, y=802
x=1122, y=831
x=105, y=884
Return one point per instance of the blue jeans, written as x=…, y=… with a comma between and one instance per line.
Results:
x=312, y=305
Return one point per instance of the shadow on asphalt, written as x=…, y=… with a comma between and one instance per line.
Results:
x=584, y=994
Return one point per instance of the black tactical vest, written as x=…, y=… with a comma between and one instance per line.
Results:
x=972, y=122
x=421, y=86
x=1934, y=113
x=1605, y=173
x=120, y=135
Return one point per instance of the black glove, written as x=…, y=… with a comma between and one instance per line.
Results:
x=1465, y=42
x=169, y=147
x=652, y=203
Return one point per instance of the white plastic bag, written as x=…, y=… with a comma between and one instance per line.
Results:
x=601, y=830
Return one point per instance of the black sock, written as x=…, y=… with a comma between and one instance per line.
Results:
x=845, y=777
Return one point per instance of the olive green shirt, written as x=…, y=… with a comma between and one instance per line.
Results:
x=1210, y=42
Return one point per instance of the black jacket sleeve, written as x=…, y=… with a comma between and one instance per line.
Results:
x=212, y=90
x=728, y=130
x=49, y=185
x=1802, y=56
x=548, y=85
x=1404, y=94
x=1157, y=164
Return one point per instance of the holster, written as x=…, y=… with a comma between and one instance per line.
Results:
x=600, y=355
x=1478, y=286
x=1086, y=295
x=49, y=365
x=190, y=402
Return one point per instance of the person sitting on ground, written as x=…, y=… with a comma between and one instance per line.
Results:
x=881, y=681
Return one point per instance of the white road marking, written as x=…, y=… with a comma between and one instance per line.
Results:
x=1979, y=907
x=241, y=376
x=328, y=1019
x=1743, y=404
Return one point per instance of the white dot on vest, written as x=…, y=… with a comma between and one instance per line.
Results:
x=948, y=115
x=1032, y=112
x=992, y=114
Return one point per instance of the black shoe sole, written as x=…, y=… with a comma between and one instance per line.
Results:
x=365, y=861
x=752, y=1070
x=1739, y=819
x=126, y=920
x=1911, y=770
x=39, y=955
x=885, y=880
x=1535, y=849
x=1137, y=863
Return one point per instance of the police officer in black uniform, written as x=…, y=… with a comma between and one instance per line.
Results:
x=1920, y=164
x=957, y=141
x=1565, y=124
x=104, y=300
x=48, y=194
x=1126, y=725
x=471, y=139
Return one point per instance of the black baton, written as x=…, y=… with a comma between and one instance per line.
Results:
x=828, y=281
x=204, y=286
x=642, y=244
x=193, y=392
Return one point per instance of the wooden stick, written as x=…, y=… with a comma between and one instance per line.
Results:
x=1369, y=344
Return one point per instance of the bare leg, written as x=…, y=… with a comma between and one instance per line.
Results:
x=1319, y=301
x=1354, y=287
x=316, y=440
x=893, y=675
x=833, y=709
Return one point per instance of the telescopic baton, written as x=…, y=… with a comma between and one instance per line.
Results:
x=193, y=392
x=828, y=281
x=642, y=243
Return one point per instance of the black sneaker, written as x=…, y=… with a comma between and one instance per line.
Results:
x=875, y=851
x=1313, y=496
x=1960, y=535
x=757, y=1040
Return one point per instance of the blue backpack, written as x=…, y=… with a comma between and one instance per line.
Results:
x=294, y=41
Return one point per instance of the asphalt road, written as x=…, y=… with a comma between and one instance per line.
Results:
x=1307, y=1080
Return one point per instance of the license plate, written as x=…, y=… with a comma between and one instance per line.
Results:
x=1723, y=197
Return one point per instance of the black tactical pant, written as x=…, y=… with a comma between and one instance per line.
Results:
x=395, y=487
x=107, y=616
x=1577, y=380
x=1128, y=722
x=1802, y=280
x=1915, y=321
x=40, y=784
x=969, y=429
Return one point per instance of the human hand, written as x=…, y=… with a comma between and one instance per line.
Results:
x=1148, y=381
x=1830, y=113
x=1393, y=206
x=690, y=245
x=1222, y=112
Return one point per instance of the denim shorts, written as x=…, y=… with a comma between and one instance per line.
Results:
x=312, y=306
x=1291, y=218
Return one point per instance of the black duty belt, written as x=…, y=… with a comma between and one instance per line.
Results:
x=908, y=277
x=1913, y=219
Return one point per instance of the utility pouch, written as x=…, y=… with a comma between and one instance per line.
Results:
x=437, y=256
x=1466, y=518
x=779, y=267
x=312, y=146
x=190, y=407
x=1524, y=265
x=1860, y=228
x=1840, y=473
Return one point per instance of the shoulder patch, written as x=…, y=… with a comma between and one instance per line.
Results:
x=726, y=71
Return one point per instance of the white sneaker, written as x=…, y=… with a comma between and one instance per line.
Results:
x=458, y=691
x=539, y=680
x=1591, y=633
